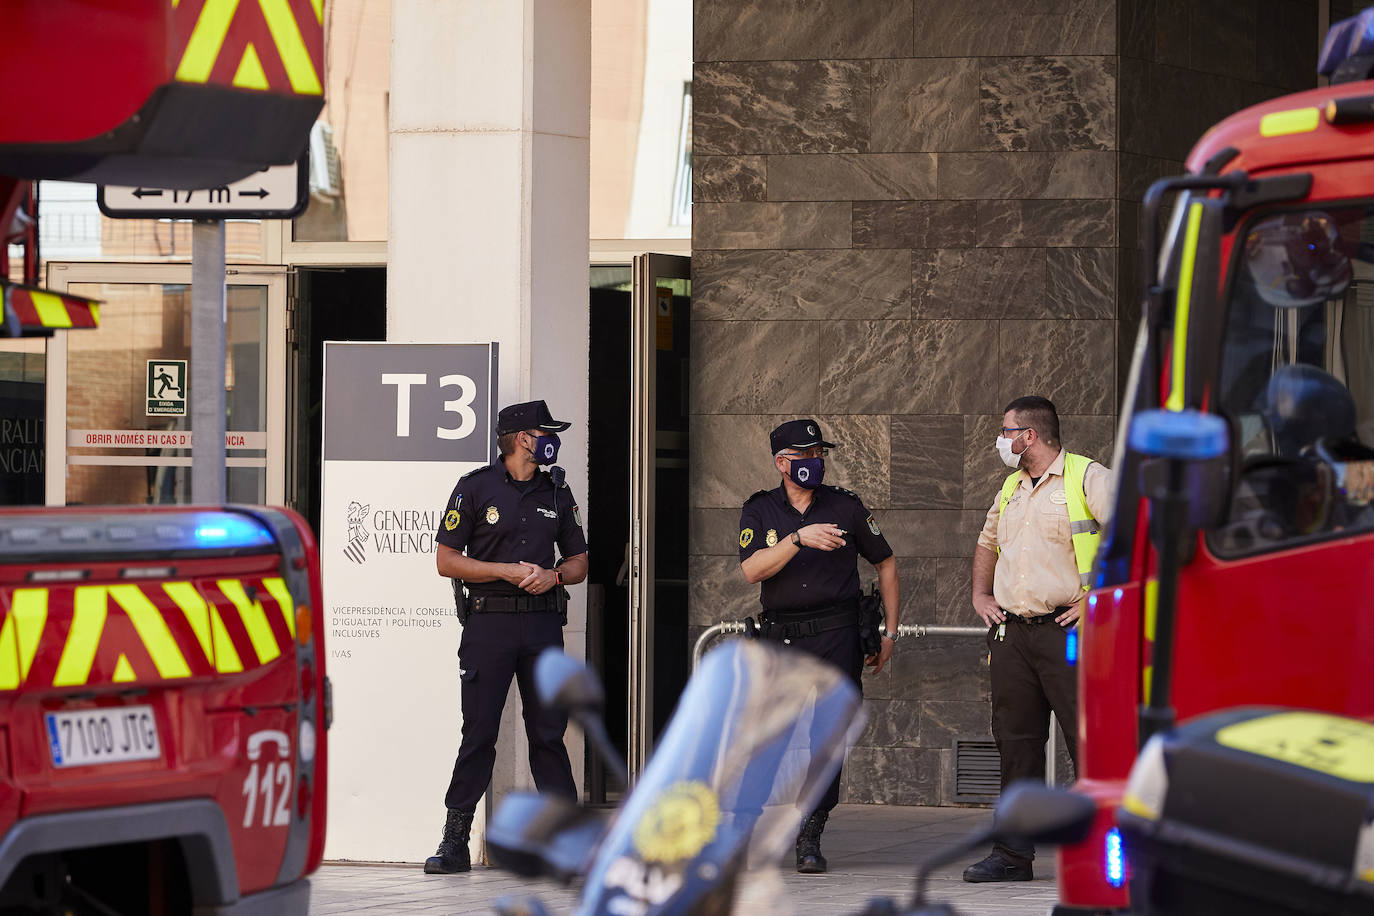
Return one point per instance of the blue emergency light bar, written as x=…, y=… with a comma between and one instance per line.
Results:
x=1348, y=38
x=63, y=537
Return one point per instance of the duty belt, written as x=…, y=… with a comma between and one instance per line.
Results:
x=811, y=622
x=1037, y=619
x=517, y=604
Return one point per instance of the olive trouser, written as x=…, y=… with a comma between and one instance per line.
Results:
x=1030, y=677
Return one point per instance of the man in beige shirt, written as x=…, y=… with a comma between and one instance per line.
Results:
x=1030, y=569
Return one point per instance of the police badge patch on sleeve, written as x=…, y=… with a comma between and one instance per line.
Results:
x=873, y=526
x=746, y=537
x=451, y=520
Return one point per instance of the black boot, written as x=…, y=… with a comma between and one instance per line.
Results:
x=809, y=858
x=452, y=855
x=997, y=867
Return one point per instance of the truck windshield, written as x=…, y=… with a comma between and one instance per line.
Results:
x=1297, y=378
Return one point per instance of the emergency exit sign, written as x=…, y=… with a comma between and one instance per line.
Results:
x=166, y=388
x=278, y=192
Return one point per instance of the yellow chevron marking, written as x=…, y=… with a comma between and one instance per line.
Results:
x=227, y=659
x=20, y=634
x=9, y=656
x=197, y=614
x=276, y=587
x=254, y=620
x=206, y=40
x=29, y=610
x=249, y=74
x=88, y=623
x=124, y=672
x=286, y=33
x=51, y=312
x=152, y=629
x=319, y=10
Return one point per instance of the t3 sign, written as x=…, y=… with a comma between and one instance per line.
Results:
x=409, y=402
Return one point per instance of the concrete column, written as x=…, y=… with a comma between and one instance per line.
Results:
x=490, y=142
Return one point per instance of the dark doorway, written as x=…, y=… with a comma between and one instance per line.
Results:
x=331, y=303
x=610, y=373
x=608, y=500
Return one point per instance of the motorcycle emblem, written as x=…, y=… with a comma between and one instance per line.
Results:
x=679, y=823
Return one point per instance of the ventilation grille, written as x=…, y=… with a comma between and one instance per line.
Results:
x=977, y=770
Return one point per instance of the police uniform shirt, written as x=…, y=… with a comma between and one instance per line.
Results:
x=1036, y=569
x=812, y=578
x=498, y=519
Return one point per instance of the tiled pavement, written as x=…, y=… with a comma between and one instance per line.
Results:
x=872, y=852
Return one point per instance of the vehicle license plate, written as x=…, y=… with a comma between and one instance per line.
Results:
x=109, y=734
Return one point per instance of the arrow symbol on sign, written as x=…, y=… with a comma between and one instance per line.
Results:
x=140, y=193
x=260, y=192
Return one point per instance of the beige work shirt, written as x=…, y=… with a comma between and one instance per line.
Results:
x=1036, y=571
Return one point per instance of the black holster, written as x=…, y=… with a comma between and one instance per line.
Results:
x=460, y=600
x=562, y=596
x=870, y=619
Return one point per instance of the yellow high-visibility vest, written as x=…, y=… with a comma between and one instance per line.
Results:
x=1084, y=531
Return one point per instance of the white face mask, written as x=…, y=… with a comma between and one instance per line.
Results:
x=1009, y=458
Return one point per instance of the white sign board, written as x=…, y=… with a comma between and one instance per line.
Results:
x=402, y=422
x=278, y=192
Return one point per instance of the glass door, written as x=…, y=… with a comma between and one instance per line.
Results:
x=118, y=415
x=23, y=381
x=660, y=302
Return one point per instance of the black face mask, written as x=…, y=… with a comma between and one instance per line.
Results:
x=807, y=472
x=545, y=449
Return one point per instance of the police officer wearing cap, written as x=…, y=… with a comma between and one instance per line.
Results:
x=802, y=541
x=496, y=541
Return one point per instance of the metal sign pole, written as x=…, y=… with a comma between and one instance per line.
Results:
x=208, y=321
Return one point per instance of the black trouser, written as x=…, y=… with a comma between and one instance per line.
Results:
x=496, y=646
x=1030, y=677
x=841, y=648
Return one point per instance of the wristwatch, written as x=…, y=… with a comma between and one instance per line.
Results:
x=882, y=631
x=796, y=539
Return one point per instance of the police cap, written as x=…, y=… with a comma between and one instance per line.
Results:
x=805, y=433
x=529, y=415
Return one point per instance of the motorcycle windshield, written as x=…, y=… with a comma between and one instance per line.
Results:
x=757, y=737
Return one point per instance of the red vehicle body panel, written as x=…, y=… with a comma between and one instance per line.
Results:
x=1280, y=628
x=223, y=648
x=165, y=93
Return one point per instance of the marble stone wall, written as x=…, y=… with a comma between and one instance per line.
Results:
x=907, y=213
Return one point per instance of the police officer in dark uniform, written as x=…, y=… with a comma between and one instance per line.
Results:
x=496, y=541
x=802, y=540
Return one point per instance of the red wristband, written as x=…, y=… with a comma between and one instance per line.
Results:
x=558, y=577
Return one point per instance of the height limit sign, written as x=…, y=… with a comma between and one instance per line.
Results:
x=277, y=192
x=166, y=391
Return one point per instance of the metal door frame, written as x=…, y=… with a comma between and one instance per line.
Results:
x=62, y=274
x=646, y=270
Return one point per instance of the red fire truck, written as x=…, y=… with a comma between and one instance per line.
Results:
x=163, y=699
x=163, y=711
x=1260, y=310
